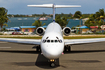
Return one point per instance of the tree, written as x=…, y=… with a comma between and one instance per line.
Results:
x=101, y=11
x=78, y=15
x=38, y=23
x=96, y=19
x=102, y=16
x=62, y=21
x=97, y=16
x=92, y=18
x=3, y=16
x=5, y=25
x=91, y=21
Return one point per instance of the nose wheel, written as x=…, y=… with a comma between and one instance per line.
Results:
x=52, y=64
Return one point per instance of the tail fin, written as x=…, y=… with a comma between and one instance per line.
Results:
x=54, y=6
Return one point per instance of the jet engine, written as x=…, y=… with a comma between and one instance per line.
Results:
x=40, y=31
x=66, y=31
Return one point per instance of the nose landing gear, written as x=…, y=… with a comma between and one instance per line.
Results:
x=52, y=63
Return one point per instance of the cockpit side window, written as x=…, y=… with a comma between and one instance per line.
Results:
x=60, y=41
x=47, y=37
x=44, y=41
x=57, y=37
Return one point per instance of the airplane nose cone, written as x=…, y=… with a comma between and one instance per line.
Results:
x=53, y=53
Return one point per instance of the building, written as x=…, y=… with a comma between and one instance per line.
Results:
x=102, y=27
x=84, y=20
x=93, y=28
x=28, y=29
x=13, y=29
x=82, y=29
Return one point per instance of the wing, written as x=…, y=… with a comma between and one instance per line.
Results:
x=82, y=41
x=25, y=41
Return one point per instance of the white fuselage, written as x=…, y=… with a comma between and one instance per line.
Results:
x=52, y=43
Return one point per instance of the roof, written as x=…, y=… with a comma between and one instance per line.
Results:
x=85, y=19
x=13, y=28
x=10, y=28
x=102, y=25
x=44, y=26
x=93, y=26
x=27, y=26
x=83, y=27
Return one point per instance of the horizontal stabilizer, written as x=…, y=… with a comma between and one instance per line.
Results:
x=66, y=6
x=53, y=6
x=43, y=6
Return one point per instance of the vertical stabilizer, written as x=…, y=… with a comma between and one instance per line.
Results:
x=54, y=6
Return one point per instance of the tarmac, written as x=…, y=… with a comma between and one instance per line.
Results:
x=23, y=57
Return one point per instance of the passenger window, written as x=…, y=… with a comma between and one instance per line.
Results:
x=52, y=41
x=48, y=41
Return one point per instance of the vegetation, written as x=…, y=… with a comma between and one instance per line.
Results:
x=68, y=16
x=78, y=15
x=38, y=23
x=96, y=19
x=1, y=33
x=3, y=16
x=4, y=29
x=62, y=21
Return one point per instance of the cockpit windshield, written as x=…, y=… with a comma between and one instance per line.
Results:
x=48, y=41
x=56, y=41
x=52, y=41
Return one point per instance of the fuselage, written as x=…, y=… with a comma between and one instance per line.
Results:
x=52, y=43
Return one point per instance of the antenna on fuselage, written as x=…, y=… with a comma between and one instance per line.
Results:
x=54, y=7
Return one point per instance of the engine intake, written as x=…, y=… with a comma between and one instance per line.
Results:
x=40, y=31
x=66, y=31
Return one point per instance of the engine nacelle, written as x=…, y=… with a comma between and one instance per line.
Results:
x=40, y=31
x=66, y=31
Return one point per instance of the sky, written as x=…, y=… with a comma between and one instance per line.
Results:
x=20, y=6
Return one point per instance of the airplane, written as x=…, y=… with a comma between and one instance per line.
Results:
x=52, y=43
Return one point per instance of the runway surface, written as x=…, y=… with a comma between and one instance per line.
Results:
x=22, y=57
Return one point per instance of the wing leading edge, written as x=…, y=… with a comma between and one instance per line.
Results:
x=55, y=6
x=25, y=41
x=67, y=41
x=82, y=41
